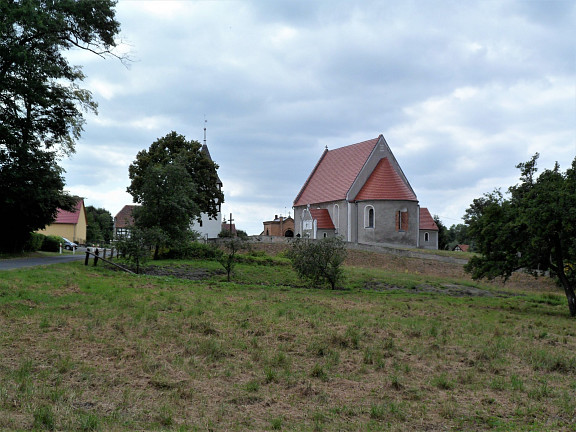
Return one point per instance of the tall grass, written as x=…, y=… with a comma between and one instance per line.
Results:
x=87, y=348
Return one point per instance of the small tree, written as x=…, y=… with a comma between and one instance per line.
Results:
x=319, y=261
x=228, y=257
x=136, y=247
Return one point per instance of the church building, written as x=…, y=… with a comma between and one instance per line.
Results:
x=359, y=192
x=209, y=227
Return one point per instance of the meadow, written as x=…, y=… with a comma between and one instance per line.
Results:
x=405, y=344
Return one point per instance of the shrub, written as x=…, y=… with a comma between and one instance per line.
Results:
x=51, y=243
x=319, y=261
x=35, y=242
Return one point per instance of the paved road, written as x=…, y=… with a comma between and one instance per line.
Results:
x=9, y=264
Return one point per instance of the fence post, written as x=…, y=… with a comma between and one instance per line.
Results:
x=104, y=253
x=96, y=257
x=86, y=259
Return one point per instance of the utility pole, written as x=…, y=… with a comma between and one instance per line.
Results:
x=230, y=221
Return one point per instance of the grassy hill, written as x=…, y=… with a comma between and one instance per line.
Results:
x=406, y=344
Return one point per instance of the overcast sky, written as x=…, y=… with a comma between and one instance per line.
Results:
x=462, y=92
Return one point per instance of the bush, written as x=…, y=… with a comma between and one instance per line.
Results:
x=319, y=261
x=225, y=233
x=34, y=243
x=51, y=243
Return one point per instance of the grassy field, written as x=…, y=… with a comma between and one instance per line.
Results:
x=407, y=344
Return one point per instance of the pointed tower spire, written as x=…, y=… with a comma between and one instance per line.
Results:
x=205, y=122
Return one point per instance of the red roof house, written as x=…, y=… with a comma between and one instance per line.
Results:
x=69, y=224
x=359, y=192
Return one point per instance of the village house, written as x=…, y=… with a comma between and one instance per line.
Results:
x=280, y=226
x=123, y=221
x=359, y=192
x=69, y=224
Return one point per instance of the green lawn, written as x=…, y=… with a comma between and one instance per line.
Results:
x=87, y=348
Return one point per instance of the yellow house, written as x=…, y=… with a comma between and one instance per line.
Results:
x=71, y=225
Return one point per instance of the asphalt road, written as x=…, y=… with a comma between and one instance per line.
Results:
x=16, y=263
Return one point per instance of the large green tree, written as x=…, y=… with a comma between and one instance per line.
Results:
x=42, y=104
x=174, y=181
x=532, y=228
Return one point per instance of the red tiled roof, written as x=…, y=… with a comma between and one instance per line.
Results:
x=323, y=219
x=334, y=173
x=426, y=220
x=385, y=184
x=67, y=217
x=124, y=217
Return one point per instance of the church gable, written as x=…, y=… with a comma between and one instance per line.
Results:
x=384, y=183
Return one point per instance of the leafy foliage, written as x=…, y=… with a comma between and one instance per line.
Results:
x=100, y=225
x=442, y=234
x=135, y=248
x=533, y=229
x=30, y=195
x=319, y=261
x=51, y=243
x=226, y=233
x=175, y=182
x=34, y=242
x=458, y=234
x=228, y=257
x=41, y=103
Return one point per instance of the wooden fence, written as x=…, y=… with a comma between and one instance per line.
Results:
x=97, y=257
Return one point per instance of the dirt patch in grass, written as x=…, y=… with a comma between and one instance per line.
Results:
x=181, y=272
x=455, y=290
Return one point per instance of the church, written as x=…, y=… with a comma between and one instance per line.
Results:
x=360, y=193
x=208, y=227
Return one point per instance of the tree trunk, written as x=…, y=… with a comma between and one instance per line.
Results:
x=156, y=252
x=559, y=264
x=569, y=290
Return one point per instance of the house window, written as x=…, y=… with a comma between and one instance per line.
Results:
x=325, y=235
x=426, y=237
x=123, y=233
x=369, y=217
x=402, y=220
